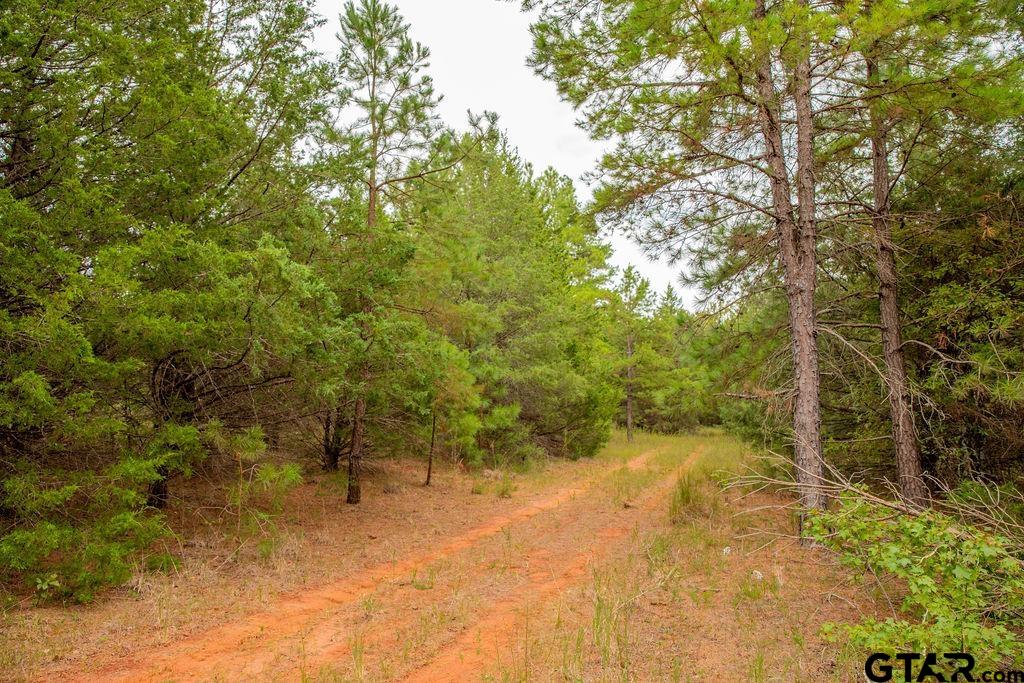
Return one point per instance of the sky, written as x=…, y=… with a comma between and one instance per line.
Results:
x=478, y=59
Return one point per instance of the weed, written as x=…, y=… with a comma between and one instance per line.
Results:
x=358, y=649
x=258, y=502
x=370, y=605
x=427, y=582
x=163, y=562
x=658, y=550
x=700, y=596
x=798, y=638
x=753, y=589
x=626, y=483
x=687, y=497
x=677, y=671
x=758, y=669
x=573, y=648
x=45, y=585
x=505, y=487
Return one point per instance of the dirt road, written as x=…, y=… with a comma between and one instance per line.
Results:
x=584, y=576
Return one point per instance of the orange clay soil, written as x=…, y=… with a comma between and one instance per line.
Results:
x=482, y=644
x=244, y=646
x=442, y=585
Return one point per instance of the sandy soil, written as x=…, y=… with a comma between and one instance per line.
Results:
x=579, y=575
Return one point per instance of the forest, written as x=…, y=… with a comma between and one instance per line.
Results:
x=227, y=257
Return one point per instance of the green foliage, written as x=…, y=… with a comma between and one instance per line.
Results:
x=259, y=501
x=73, y=561
x=163, y=562
x=208, y=233
x=963, y=587
x=655, y=343
x=689, y=497
x=154, y=225
x=676, y=90
x=505, y=487
x=511, y=269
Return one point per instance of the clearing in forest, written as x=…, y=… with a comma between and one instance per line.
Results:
x=632, y=566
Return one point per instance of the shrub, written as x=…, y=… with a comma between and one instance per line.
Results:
x=964, y=586
x=505, y=487
x=259, y=500
x=691, y=497
x=76, y=531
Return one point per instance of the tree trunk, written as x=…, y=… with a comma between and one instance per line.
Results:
x=630, y=374
x=904, y=433
x=799, y=262
x=430, y=456
x=159, y=492
x=807, y=417
x=332, y=440
x=355, y=455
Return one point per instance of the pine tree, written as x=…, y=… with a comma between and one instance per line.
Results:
x=382, y=80
x=711, y=109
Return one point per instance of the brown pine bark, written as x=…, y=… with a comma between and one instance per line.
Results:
x=430, y=455
x=904, y=434
x=332, y=440
x=355, y=454
x=807, y=409
x=630, y=376
x=797, y=247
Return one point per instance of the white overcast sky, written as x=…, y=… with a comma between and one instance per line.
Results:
x=478, y=62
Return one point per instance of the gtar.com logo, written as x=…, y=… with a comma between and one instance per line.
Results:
x=917, y=666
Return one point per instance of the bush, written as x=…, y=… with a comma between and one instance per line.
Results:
x=75, y=532
x=964, y=586
x=259, y=501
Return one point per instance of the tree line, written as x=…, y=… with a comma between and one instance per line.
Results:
x=219, y=246
x=844, y=181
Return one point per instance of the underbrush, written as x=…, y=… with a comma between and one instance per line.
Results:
x=258, y=502
x=954, y=587
x=72, y=533
x=951, y=576
x=83, y=532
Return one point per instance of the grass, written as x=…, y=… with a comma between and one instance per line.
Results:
x=658, y=551
x=758, y=669
x=753, y=589
x=505, y=487
x=625, y=484
x=334, y=483
x=426, y=582
x=358, y=649
x=638, y=615
x=370, y=605
x=640, y=611
x=694, y=497
x=620, y=451
x=687, y=497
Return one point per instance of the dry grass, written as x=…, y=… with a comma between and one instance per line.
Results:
x=627, y=577
x=696, y=599
x=220, y=580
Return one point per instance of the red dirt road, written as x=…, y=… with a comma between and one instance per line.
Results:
x=263, y=646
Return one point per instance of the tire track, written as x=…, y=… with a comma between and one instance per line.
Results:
x=483, y=643
x=248, y=644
